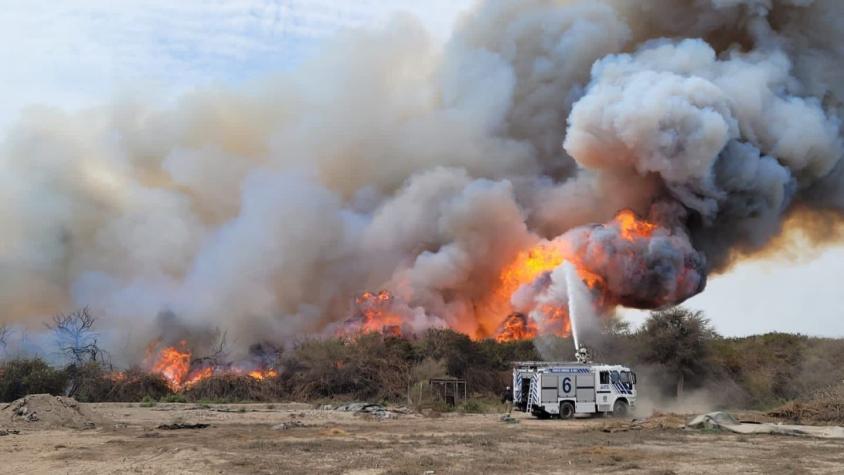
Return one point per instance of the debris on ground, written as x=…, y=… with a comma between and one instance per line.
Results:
x=204, y=407
x=289, y=425
x=376, y=411
x=507, y=418
x=47, y=411
x=725, y=421
x=240, y=409
x=334, y=432
x=180, y=425
x=356, y=406
x=657, y=421
x=824, y=407
x=9, y=432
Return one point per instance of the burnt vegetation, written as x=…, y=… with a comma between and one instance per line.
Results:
x=675, y=352
x=75, y=336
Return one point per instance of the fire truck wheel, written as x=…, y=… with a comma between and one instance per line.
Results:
x=566, y=410
x=619, y=409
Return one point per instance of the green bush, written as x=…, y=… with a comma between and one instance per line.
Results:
x=148, y=401
x=20, y=377
x=174, y=397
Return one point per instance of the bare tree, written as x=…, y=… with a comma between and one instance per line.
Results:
x=4, y=335
x=76, y=337
x=218, y=356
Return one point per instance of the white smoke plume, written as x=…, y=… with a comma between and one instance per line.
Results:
x=387, y=162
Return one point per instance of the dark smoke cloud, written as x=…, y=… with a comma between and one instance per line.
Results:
x=389, y=162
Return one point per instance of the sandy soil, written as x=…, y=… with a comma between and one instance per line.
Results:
x=241, y=439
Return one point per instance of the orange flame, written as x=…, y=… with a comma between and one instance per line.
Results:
x=197, y=376
x=375, y=314
x=525, y=268
x=117, y=376
x=556, y=319
x=531, y=264
x=631, y=227
x=173, y=365
x=517, y=326
x=261, y=375
x=545, y=257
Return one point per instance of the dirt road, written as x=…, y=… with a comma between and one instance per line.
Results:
x=242, y=439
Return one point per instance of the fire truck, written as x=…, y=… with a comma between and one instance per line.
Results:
x=565, y=389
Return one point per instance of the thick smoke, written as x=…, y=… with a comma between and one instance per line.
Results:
x=727, y=137
x=387, y=162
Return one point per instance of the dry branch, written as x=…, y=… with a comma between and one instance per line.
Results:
x=75, y=336
x=4, y=335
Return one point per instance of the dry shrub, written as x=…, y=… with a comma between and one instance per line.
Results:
x=420, y=394
x=427, y=369
x=231, y=388
x=135, y=385
x=767, y=367
x=90, y=382
x=368, y=367
x=378, y=367
x=824, y=407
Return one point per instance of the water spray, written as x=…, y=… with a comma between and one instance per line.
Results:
x=570, y=282
x=580, y=354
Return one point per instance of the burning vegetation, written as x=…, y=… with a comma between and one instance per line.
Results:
x=628, y=261
x=517, y=326
x=176, y=365
x=374, y=312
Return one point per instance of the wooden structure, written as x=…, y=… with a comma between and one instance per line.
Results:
x=450, y=390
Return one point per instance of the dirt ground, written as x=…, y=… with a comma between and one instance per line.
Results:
x=246, y=439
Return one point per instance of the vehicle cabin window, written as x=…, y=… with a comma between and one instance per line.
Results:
x=625, y=377
x=614, y=376
x=605, y=377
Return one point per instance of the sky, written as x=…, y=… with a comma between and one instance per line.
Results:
x=79, y=53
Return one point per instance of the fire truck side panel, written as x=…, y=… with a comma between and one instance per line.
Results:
x=549, y=388
x=591, y=388
x=585, y=393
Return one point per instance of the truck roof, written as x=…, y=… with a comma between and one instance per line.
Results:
x=550, y=364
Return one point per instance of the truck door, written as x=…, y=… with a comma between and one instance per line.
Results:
x=585, y=392
x=604, y=393
x=549, y=388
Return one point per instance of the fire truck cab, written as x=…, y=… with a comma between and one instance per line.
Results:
x=565, y=389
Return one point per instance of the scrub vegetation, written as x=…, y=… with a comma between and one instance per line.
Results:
x=675, y=353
